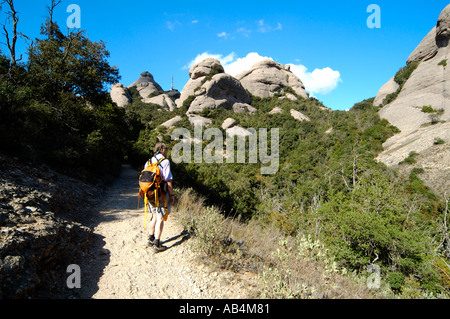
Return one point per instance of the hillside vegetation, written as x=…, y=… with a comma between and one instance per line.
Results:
x=329, y=188
x=330, y=200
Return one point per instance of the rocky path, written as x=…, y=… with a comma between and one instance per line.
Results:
x=120, y=265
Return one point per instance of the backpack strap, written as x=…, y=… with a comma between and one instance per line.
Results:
x=157, y=161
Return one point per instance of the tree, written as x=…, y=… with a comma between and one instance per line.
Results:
x=60, y=64
x=12, y=36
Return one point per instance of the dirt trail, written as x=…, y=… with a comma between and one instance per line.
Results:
x=120, y=265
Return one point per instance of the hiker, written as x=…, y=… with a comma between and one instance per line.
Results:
x=159, y=213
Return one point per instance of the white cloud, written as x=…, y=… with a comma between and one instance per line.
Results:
x=244, y=31
x=231, y=63
x=224, y=60
x=264, y=28
x=194, y=21
x=172, y=24
x=319, y=81
x=239, y=65
x=223, y=35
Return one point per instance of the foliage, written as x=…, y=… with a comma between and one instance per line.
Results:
x=400, y=78
x=443, y=63
x=56, y=109
x=428, y=109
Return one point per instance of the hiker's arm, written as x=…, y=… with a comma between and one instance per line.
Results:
x=171, y=193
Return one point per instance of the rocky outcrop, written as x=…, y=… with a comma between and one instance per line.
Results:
x=120, y=95
x=204, y=68
x=210, y=88
x=42, y=230
x=426, y=50
x=222, y=91
x=170, y=123
x=197, y=74
x=146, y=85
x=390, y=87
x=267, y=77
x=428, y=85
x=299, y=116
x=195, y=119
x=163, y=100
x=149, y=92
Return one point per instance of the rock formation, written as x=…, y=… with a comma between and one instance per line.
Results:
x=120, y=95
x=196, y=77
x=299, y=116
x=149, y=91
x=212, y=89
x=146, y=85
x=163, y=100
x=267, y=77
x=428, y=86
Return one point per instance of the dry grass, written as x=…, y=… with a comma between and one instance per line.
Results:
x=287, y=267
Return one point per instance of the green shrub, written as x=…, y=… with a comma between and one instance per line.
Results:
x=428, y=109
x=404, y=73
x=396, y=281
x=443, y=63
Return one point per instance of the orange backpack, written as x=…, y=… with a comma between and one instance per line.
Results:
x=150, y=181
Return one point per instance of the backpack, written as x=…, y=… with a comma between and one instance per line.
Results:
x=151, y=186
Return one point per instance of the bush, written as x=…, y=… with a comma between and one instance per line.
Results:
x=396, y=281
x=428, y=109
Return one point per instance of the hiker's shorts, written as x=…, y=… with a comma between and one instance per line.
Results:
x=160, y=210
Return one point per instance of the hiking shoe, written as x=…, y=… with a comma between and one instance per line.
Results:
x=158, y=249
x=150, y=241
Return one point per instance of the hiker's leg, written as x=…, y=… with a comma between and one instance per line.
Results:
x=153, y=211
x=159, y=225
x=152, y=226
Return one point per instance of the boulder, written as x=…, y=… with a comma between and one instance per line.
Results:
x=276, y=110
x=170, y=123
x=222, y=91
x=162, y=100
x=299, y=116
x=199, y=120
x=197, y=74
x=238, y=131
x=267, y=77
x=146, y=85
x=120, y=95
x=205, y=67
x=228, y=123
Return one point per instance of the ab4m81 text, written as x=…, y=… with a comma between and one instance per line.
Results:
x=226, y=309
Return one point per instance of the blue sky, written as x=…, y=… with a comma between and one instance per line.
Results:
x=340, y=59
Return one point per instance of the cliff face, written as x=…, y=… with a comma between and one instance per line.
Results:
x=421, y=109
